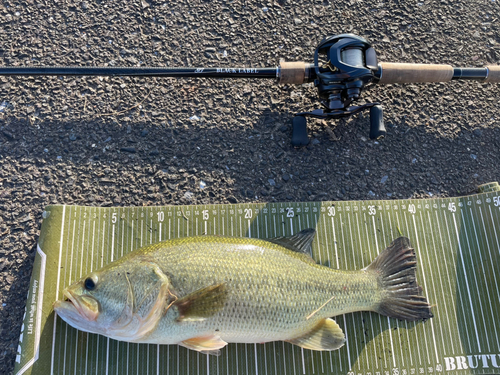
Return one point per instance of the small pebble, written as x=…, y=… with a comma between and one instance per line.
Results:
x=128, y=149
x=8, y=135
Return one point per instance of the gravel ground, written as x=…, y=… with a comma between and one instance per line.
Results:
x=134, y=141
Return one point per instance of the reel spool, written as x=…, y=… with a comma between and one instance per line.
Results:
x=343, y=65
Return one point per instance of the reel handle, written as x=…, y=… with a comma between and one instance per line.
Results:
x=377, y=128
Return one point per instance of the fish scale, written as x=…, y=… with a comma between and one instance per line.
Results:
x=263, y=302
x=203, y=292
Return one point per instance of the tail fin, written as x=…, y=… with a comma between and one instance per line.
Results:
x=401, y=295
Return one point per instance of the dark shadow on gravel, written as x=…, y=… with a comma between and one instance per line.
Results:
x=13, y=307
x=103, y=163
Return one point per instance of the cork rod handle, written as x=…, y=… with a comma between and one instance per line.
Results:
x=293, y=72
x=493, y=74
x=415, y=73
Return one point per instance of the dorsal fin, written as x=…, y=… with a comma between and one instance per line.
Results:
x=300, y=242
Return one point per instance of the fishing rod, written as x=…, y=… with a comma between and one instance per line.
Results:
x=343, y=65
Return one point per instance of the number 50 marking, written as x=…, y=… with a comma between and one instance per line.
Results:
x=496, y=201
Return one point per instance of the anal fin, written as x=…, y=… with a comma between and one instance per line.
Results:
x=327, y=335
x=205, y=344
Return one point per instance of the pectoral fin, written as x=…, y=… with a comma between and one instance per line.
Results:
x=327, y=335
x=205, y=344
x=201, y=304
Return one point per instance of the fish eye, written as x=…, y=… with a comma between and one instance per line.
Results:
x=89, y=283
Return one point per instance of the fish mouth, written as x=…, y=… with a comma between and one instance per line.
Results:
x=77, y=305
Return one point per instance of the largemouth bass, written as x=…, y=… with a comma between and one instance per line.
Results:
x=205, y=292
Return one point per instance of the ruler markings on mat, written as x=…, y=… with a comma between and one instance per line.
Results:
x=458, y=252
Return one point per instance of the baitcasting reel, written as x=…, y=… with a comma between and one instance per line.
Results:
x=343, y=65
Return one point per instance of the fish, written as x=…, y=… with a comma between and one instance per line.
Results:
x=207, y=291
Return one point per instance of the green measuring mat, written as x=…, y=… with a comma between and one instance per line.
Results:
x=457, y=243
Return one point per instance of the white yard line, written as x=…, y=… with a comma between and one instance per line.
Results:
x=363, y=265
x=388, y=319
x=494, y=274
x=494, y=229
x=326, y=242
x=441, y=284
x=406, y=322
x=414, y=323
x=81, y=274
x=449, y=279
x=478, y=251
x=61, y=238
x=425, y=282
x=107, y=255
x=460, y=252
x=338, y=267
x=458, y=289
x=352, y=315
x=343, y=315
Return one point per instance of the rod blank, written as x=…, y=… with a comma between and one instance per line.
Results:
x=140, y=72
